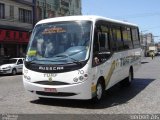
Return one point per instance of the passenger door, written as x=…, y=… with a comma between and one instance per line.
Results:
x=101, y=60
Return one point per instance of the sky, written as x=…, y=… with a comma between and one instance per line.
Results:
x=144, y=13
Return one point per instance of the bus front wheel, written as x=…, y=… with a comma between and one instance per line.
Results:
x=99, y=91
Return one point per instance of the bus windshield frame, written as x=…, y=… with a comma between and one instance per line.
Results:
x=60, y=43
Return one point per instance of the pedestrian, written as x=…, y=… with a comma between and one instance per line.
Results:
x=152, y=55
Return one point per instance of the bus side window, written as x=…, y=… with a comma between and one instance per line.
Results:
x=126, y=32
x=96, y=47
x=101, y=49
x=104, y=42
x=96, y=44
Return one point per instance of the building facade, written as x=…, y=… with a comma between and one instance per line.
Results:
x=76, y=6
x=16, y=19
x=56, y=8
x=146, y=41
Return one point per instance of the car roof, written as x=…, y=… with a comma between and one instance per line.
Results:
x=17, y=58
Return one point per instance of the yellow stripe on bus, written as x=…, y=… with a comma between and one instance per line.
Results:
x=93, y=88
x=108, y=76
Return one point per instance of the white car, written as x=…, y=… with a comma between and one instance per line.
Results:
x=13, y=66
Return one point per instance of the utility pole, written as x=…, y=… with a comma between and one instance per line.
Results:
x=44, y=10
x=142, y=36
x=144, y=42
x=70, y=9
x=34, y=13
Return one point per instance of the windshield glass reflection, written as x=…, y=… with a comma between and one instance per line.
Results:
x=63, y=42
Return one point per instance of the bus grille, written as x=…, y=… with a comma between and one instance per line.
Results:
x=51, y=83
x=60, y=94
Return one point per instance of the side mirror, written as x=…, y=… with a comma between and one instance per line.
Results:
x=105, y=53
x=30, y=31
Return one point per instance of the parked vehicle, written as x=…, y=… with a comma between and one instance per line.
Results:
x=11, y=66
x=152, y=50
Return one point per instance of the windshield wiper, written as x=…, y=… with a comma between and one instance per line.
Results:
x=74, y=60
x=34, y=61
x=31, y=61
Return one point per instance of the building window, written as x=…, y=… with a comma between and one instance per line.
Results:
x=2, y=11
x=77, y=3
x=11, y=11
x=39, y=13
x=25, y=15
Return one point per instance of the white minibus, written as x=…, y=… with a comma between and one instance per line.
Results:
x=79, y=57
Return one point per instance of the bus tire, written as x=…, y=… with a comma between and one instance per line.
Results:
x=14, y=71
x=99, y=91
x=127, y=81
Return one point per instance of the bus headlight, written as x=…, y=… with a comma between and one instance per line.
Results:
x=81, y=78
x=86, y=75
x=75, y=79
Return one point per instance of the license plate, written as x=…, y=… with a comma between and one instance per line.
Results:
x=50, y=90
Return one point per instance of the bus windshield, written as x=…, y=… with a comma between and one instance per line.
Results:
x=60, y=43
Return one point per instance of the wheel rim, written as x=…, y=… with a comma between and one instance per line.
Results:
x=14, y=72
x=99, y=91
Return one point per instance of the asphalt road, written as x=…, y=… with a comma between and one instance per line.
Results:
x=143, y=96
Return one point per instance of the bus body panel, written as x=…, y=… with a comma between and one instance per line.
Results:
x=123, y=61
x=80, y=90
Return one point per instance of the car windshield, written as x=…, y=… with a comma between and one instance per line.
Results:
x=62, y=42
x=11, y=61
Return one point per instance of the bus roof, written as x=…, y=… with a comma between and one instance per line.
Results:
x=84, y=17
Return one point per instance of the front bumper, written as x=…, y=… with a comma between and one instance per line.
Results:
x=8, y=71
x=71, y=91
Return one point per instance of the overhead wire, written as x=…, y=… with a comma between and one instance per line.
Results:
x=142, y=15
